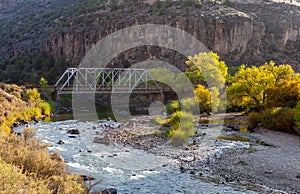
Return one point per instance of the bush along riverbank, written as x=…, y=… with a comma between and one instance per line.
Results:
x=18, y=106
x=26, y=166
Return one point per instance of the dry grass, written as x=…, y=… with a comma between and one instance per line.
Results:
x=27, y=167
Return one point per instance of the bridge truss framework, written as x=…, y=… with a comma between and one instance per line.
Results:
x=107, y=80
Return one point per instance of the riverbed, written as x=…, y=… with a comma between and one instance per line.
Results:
x=128, y=169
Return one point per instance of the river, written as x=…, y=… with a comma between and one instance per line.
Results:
x=126, y=169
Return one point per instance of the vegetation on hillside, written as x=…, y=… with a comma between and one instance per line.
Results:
x=28, y=69
x=24, y=26
x=36, y=19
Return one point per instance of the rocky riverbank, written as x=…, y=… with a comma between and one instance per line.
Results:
x=213, y=154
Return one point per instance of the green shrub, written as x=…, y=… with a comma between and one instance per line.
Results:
x=173, y=106
x=278, y=119
x=189, y=105
x=254, y=118
x=45, y=89
x=182, y=127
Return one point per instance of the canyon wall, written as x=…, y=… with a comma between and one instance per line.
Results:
x=242, y=33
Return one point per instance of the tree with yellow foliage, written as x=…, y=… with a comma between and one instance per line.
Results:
x=207, y=69
x=250, y=86
x=285, y=93
x=208, y=73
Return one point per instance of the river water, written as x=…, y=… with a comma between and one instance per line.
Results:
x=125, y=169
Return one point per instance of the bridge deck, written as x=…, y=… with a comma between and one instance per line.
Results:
x=108, y=90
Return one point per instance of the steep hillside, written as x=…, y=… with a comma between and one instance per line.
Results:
x=24, y=27
x=25, y=24
x=41, y=38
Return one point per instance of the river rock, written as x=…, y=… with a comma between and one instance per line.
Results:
x=202, y=126
x=34, y=119
x=43, y=117
x=109, y=191
x=187, y=159
x=16, y=124
x=73, y=131
x=60, y=142
x=24, y=122
x=269, y=172
x=233, y=127
x=16, y=133
x=225, y=128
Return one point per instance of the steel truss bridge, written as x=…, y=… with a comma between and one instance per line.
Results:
x=107, y=80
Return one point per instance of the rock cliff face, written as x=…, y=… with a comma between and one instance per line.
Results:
x=241, y=33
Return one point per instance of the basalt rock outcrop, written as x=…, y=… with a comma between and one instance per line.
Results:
x=240, y=33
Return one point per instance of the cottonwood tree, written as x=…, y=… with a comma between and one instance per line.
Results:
x=207, y=69
x=250, y=85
